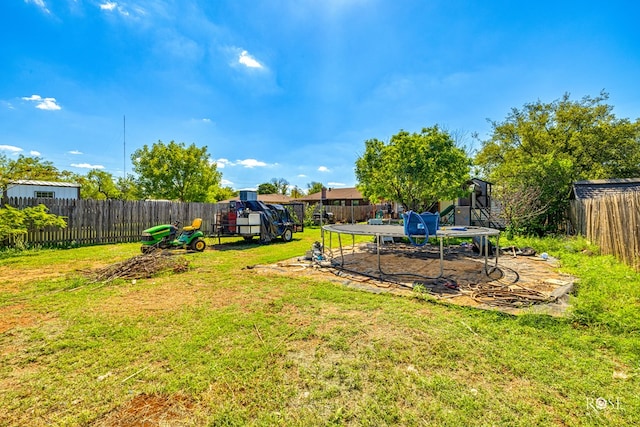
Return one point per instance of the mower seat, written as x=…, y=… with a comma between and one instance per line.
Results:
x=195, y=225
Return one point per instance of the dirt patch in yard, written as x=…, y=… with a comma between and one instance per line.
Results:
x=148, y=300
x=17, y=315
x=150, y=410
x=515, y=285
x=14, y=283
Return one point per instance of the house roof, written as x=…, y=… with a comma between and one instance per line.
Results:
x=591, y=189
x=274, y=198
x=350, y=193
x=267, y=198
x=44, y=183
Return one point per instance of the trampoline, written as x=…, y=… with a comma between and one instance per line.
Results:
x=381, y=232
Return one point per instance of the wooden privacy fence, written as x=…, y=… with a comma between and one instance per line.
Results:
x=350, y=214
x=111, y=221
x=92, y=222
x=611, y=222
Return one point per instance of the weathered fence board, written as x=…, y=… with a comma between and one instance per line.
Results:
x=348, y=214
x=612, y=222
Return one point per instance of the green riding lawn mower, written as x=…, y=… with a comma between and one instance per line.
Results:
x=164, y=237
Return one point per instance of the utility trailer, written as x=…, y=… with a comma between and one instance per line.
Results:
x=250, y=218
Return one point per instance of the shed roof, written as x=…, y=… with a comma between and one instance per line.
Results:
x=267, y=198
x=591, y=189
x=44, y=183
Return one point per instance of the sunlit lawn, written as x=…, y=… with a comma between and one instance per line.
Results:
x=225, y=345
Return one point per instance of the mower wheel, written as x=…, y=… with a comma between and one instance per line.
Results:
x=198, y=245
x=287, y=236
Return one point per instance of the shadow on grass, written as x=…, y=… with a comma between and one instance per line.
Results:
x=542, y=321
x=245, y=244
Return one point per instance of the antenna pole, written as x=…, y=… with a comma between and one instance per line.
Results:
x=124, y=147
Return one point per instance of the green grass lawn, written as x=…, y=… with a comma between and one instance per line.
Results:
x=225, y=345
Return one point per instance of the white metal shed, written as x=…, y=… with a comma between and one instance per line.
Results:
x=43, y=189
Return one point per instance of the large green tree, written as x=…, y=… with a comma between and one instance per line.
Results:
x=128, y=188
x=25, y=167
x=413, y=169
x=543, y=148
x=174, y=171
x=282, y=185
x=99, y=185
x=314, y=187
x=275, y=186
x=102, y=185
x=267, y=188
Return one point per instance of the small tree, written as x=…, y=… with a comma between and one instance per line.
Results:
x=314, y=187
x=518, y=204
x=217, y=194
x=296, y=192
x=16, y=223
x=308, y=214
x=415, y=170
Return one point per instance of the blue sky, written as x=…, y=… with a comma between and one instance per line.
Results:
x=292, y=88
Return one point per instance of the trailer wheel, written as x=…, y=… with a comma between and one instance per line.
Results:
x=198, y=245
x=287, y=236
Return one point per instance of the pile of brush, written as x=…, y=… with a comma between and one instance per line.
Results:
x=141, y=266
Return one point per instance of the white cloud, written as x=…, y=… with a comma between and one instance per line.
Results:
x=86, y=166
x=323, y=169
x=251, y=163
x=41, y=4
x=108, y=5
x=302, y=175
x=11, y=148
x=48, y=104
x=248, y=61
x=112, y=6
x=226, y=182
x=34, y=153
x=202, y=120
x=247, y=163
x=221, y=163
x=336, y=184
x=75, y=152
